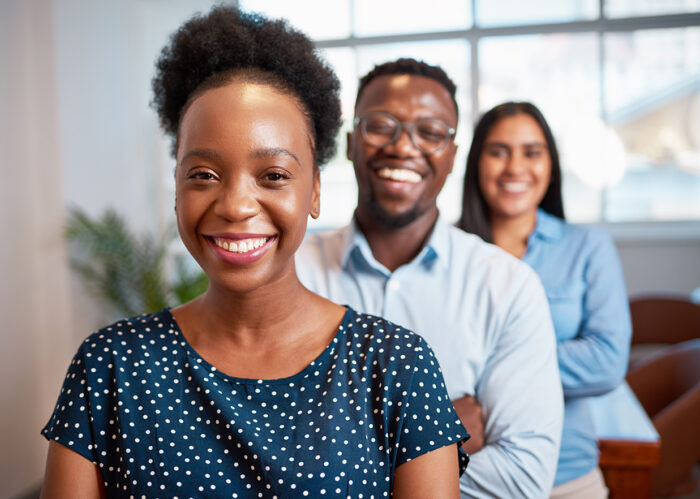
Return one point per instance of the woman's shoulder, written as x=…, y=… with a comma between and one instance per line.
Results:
x=142, y=332
x=572, y=233
x=382, y=340
x=375, y=327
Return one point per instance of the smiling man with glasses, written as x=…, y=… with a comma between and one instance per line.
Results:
x=484, y=312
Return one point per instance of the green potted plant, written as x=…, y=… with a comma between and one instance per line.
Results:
x=131, y=274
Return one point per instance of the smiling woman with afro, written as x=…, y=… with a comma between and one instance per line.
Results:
x=258, y=387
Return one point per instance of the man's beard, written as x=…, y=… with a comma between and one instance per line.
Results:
x=391, y=221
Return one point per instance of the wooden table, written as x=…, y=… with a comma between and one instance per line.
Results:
x=628, y=442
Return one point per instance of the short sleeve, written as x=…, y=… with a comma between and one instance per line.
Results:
x=429, y=420
x=69, y=424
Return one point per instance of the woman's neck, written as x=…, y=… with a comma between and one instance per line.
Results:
x=268, y=333
x=254, y=313
x=511, y=233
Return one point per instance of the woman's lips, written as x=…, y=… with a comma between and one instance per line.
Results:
x=240, y=245
x=514, y=187
x=240, y=251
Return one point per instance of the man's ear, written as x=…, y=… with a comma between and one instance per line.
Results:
x=316, y=194
x=349, y=146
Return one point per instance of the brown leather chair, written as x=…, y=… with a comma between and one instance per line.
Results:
x=664, y=319
x=667, y=384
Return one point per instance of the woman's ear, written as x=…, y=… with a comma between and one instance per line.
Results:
x=349, y=145
x=316, y=194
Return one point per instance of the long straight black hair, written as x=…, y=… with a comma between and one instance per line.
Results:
x=475, y=216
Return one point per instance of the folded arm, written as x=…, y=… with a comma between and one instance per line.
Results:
x=595, y=361
x=521, y=398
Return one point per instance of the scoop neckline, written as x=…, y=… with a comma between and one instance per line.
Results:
x=201, y=361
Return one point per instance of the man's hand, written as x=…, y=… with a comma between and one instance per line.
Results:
x=470, y=413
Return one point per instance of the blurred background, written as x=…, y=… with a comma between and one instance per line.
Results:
x=618, y=80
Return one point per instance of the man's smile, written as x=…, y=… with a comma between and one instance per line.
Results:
x=399, y=175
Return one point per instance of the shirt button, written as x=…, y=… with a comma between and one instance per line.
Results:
x=394, y=285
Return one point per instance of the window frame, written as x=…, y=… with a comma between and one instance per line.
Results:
x=601, y=26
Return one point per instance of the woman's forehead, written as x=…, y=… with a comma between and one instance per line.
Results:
x=244, y=114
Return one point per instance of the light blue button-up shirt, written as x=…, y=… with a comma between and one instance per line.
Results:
x=585, y=287
x=486, y=316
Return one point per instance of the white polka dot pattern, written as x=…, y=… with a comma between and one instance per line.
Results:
x=159, y=421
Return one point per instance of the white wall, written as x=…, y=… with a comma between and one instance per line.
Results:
x=658, y=257
x=667, y=265
x=75, y=129
x=35, y=343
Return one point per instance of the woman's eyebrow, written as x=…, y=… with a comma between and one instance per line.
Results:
x=202, y=153
x=257, y=153
x=274, y=151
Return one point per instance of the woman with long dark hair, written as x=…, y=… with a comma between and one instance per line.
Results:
x=512, y=198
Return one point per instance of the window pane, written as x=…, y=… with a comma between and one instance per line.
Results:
x=390, y=17
x=509, y=12
x=630, y=8
x=319, y=19
x=558, y=73
x=652, y=100
x=338, y=187
x=453, y=56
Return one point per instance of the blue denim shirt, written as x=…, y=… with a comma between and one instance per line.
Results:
x=582, y=276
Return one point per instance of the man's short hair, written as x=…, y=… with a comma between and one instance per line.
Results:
x=411, y=67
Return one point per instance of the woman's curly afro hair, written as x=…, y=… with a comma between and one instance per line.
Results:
x=208, y=51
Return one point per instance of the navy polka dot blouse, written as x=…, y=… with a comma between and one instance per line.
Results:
x=159, y=421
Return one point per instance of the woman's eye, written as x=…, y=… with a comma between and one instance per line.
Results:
x=201, y=175
x=275, y=176
x=533, y=153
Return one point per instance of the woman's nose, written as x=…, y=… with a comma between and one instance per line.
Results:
x=515, y=162
x=237, y=201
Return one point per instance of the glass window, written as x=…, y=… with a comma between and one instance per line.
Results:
x=390, y=17
x=624, y=105
x=338, y=187
x=652, y=101
x=560, y=74
x=629, y=8
x=509, y=12
x=320, y=19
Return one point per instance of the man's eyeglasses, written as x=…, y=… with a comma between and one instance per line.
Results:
x=429, y=135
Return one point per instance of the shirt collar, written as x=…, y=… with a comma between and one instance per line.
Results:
x=437, y=248
x=547, y=227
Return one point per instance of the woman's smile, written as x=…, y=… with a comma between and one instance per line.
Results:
x=240, y=251
x=240, y=245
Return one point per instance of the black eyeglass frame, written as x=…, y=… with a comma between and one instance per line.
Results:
x=409, y=127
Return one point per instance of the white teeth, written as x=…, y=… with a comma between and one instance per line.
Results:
x=514, y=186
x=242, y=246
x=399, y=174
